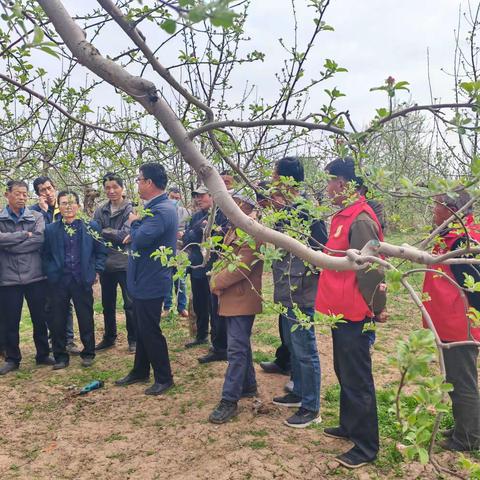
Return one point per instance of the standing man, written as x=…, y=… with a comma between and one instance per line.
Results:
x=148, y=280
x=359, y=297
x=179, y=285
x=113, y=220
x=21, y=276
x=47, y=206
x=72, y=260
x=239, y=299
x=446, y=307
x=294, y=288
x=205, y=304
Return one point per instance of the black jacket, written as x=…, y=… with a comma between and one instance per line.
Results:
x=93, y=253
x=114, y=229
x=194, y=235
x=295, y=283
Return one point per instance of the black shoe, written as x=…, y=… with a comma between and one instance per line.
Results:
x=288, y=400
x=454, y=446
x=45, y=361
x=352, y=459
x=212, y=357
x=302, y=418
x=8, y=367
x=132, y=347
x=87, y=362
x=250, y=392
x=60, y=365
x=223, y=412
x=131, y=379
x=196, y=342
x=104, y=344
x=159, y=388
x=335, y=432
x=272, y=367
x=72, y=349
x=448, y=433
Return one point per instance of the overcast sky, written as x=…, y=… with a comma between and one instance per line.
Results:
x=372, y=39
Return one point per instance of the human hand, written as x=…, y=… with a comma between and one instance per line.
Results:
x=127, y=239
x=132, y=217
x=382, y=317
x=42, y=203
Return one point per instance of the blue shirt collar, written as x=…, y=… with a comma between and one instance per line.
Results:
x=13, y=215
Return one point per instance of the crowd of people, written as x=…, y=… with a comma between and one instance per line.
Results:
x=52, y=255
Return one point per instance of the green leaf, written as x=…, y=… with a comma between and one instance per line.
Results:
x=169, y=25
x=37, y=35
x=423, y=456
x=50, y=51
x=223, y=17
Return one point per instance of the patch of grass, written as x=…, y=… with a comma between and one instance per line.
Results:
x=258, y=433
x=257, y=444
x=267, y=339
x=115, y=437
x=261, y=356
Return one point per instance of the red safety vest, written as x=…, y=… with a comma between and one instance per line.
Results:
x=338, y=292
x=447, y=306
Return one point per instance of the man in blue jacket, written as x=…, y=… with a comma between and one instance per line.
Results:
x=72, y=261
x=149, y=281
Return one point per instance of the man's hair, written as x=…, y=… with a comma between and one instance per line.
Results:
x=112, y=177
x=174, y=190
x=291, y=167
x=67, y=193
x=40, y=181
x=16, y=183
x=457, y=200
x=345, y=168
x=156, y=173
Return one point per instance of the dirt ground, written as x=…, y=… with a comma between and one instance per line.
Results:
x=119, y=433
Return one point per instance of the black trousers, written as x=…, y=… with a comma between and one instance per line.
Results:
x=282, y=354
x=82, y=296
x=109, y=282
x=218, y=328
x=461, y=372
x=11, y=302
x=358, y=404
x=202, y=304
x=152, y=346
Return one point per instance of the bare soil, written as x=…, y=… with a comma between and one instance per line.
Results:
x=47, y=432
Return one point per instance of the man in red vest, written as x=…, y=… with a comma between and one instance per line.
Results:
x=359, y=297
x=447, y=307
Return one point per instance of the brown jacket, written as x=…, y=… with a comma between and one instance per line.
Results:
x=240, y=290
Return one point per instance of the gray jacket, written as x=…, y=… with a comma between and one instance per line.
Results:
x=294, y=282
x=114, y=230
x=20, y=254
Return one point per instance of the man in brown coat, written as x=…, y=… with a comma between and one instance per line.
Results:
x=239, y=300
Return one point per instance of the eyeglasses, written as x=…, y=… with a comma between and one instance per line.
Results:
x=141, y=179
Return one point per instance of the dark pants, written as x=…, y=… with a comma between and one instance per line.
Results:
x=11, y=302
x=358, y=405
x=282, y=355
x=461, y=372
x=65, y=291
x=218, y=328
x=152, y=346
x=240, y=374
x=201, y=304
x=109, y=282
x=48, y=309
